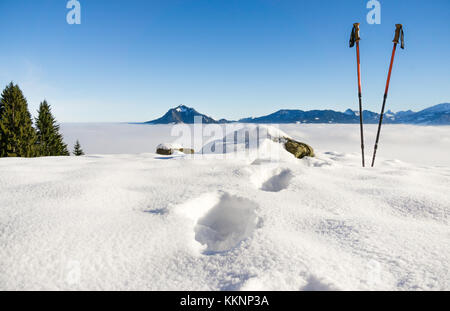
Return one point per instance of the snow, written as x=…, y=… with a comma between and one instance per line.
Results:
x=258, y=220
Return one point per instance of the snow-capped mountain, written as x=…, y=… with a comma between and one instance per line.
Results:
x=182, y=114
x=436, y=115
x=314, y=116
x=438, y=108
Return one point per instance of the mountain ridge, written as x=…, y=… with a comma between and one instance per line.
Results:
x=434, y=115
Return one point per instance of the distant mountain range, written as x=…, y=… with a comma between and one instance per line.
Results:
x=436, y=115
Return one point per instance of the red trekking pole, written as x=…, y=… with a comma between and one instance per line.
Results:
x=354, y=38
x=399, y=36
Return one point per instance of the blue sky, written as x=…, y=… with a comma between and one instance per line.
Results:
x=133, y=60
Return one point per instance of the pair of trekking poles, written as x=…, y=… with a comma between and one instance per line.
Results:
x=354, y=39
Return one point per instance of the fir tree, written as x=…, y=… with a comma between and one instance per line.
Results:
x=49, y=140
x=77, y=149
x=17, y=135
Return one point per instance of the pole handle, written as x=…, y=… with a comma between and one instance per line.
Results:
x=399, y=35
x=357, y=37
x=354, y=37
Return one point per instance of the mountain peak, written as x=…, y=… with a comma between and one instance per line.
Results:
x=182, y=114
x=349, y=112
x=182, y=108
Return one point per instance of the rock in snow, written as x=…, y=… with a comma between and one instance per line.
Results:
x=298, y=149
x=169, y=149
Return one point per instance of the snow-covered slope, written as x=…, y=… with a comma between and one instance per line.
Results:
x=240, y=223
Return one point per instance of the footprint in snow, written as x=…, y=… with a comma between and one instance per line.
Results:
x=229, y=222
x=278, y=182
x=315, y=283
x=221, y=221
x=270, y=177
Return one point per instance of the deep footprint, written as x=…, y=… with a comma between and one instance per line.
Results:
x=278, y=182
x=229, y=222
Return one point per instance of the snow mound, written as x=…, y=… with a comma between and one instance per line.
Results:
x=244, y=137
x=227, y=224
